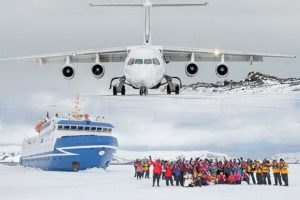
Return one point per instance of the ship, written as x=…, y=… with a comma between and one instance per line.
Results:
x=70, y=143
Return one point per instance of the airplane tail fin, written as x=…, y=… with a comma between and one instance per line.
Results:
x=148, y=5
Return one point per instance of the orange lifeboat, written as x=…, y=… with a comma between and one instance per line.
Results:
x=39, y=126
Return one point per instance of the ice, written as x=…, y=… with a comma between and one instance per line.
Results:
x=18, y=183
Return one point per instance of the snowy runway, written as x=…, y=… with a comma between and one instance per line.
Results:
x=117, y=182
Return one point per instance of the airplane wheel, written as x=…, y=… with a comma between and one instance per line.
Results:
x=143, y=92
x=123, y=90
x=168, y=89
x=177, y=89
x=115, y=91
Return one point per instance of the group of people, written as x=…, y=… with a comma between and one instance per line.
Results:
x=198, y=172
x=141, y=169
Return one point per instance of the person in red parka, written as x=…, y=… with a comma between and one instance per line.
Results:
x=169, y=173
x=221, y=178
x=231, y=178
x=157, y=169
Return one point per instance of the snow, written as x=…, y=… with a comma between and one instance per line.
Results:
x=288, y=157
x=240, y=110
x=18, y=183
x=10, y=153
x=255, y=82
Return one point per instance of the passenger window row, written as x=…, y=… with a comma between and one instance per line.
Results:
x=84, y=128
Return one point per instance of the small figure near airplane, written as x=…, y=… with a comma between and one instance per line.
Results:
x=145, y=65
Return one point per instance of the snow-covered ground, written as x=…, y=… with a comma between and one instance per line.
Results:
x=117, y=182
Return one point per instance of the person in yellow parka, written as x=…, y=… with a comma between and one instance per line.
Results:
x=276, y=172
x=284, y=172
x=258, y=171
x=266, y=172
x=146, y=168
x=250, y=170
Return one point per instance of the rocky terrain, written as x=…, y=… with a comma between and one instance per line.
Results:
x=255, y=82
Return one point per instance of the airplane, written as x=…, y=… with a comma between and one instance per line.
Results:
x=145, y=65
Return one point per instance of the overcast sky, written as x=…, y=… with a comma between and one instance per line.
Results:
x=34, y=27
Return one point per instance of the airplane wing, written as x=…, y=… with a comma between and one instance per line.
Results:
x=88, y=56
x=184, y=54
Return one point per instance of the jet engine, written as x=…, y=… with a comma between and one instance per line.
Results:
x=98, y=70
x=222, y=70
x=68, y=72
x=191, y=70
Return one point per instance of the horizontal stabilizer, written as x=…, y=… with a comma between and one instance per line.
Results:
x=148, y=4
x=178, y=4
x=117, y=5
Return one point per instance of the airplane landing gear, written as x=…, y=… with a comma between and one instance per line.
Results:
x=143, y=91
x=171, y=87
x=120, y=87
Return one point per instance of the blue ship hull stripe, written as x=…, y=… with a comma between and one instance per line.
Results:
x=66, y=153
x=87, y=146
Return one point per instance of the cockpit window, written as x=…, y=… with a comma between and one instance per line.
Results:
x=156, y=61
x=138, y=61
x=147, y=61
x=131, y=61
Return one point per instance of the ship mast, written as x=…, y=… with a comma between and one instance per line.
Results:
x=77, y=109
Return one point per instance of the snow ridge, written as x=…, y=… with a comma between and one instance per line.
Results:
x=255, y=82
x=9, y=154
x=293, y=158
x=123, y=156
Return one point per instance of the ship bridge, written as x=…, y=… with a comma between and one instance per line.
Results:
x=92, y=126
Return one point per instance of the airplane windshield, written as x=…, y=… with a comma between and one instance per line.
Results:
x=147, y=61
x=138, y=61
x=131, y=61
x=156, y=61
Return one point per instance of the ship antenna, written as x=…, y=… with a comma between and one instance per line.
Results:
x=77, y=109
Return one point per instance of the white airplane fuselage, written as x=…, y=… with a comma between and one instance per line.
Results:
x=144, y=66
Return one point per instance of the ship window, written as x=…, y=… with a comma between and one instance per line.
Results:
x=109, y=130
x=99, y=129
x=156, y=61
x=147, y=61
x=138, y=61
x=131, y=61
x=87, y=128
x=93, y=128
x=59, y=127
x=73, y=127
x=67, y=127
x=104, y=130
x=80, y=128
